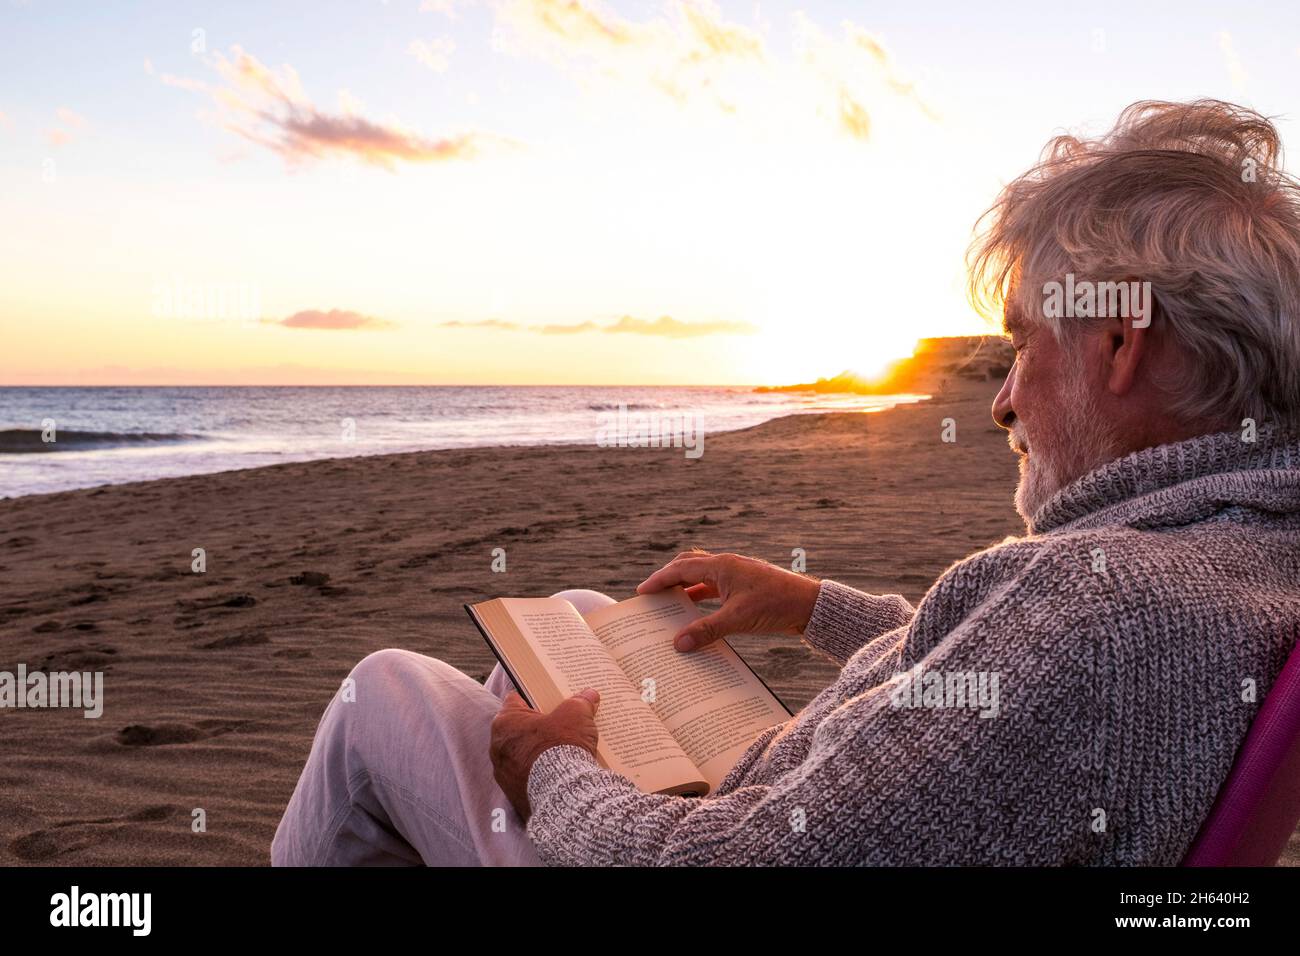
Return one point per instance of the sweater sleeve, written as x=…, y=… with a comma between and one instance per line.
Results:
x=886, y=781
x=844, y=619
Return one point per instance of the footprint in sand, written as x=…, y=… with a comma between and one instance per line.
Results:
x=17, y=610
x=783, y=663
x=823, y=503
x=158, y=735
x=72, y=835
x=208, y=604
x=83, y=657
x=246, y=639
x=188, y=619
x=167, y=574
x=311, y=579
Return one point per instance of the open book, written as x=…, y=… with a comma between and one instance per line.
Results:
x=670, y=722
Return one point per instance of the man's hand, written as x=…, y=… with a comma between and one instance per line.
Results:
x=520, y=734
x=757, y=597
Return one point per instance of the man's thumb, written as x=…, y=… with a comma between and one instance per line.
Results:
x=589, y=696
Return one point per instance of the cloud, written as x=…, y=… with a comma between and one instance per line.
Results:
x=484, y=324
x=271, y=109
x=664, y=327
x=668, y=327
x=693, y=32
x=72, y=124
x=447, y=8
x=861, y=39
x=716, y=38
x=859, y=77
x=246, y=373
x=558, y=329
x=435, y=53
x=333, y=320
x=692, y=53
x=680, y=54
x=1236, y=72
x=575, y=24
x=180, y=82
x=854, y=118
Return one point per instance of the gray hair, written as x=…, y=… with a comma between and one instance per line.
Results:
x=1192, y=198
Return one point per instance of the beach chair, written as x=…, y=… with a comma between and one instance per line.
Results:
x=1258, y=808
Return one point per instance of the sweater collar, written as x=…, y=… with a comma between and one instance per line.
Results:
x=1109, y=494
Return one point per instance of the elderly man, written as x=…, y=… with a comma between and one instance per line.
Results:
x=1132, y=632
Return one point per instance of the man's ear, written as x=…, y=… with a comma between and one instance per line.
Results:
x=1124, y=346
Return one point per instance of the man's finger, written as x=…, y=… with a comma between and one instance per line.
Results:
x=686, y=571
x=693, y=553
x=705, y=631
x=587, y=701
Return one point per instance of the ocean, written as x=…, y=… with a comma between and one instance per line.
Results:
x=109, y=435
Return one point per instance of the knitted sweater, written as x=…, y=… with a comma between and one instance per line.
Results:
x=1075, y=696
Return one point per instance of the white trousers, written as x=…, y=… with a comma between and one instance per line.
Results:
x=399, y=773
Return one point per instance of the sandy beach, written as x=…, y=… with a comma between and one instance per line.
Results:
x=214, y=682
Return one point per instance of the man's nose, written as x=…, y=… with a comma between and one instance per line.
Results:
x=1003, y=413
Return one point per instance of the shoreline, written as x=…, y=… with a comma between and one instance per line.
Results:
x=904, y=399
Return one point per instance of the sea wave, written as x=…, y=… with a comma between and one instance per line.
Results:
x=22, y=441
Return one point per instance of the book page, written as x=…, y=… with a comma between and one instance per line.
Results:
x=709, y=699
x=633, y=741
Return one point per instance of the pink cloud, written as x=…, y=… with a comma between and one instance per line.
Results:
x=333, y=320
x=72, y=123
x=270, y=108
x=483, y=324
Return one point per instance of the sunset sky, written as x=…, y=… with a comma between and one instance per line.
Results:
x=543, y=191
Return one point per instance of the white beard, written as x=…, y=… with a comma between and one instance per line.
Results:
x=1080, y=441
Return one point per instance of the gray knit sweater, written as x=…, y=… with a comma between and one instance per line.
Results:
x=1075, y=696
